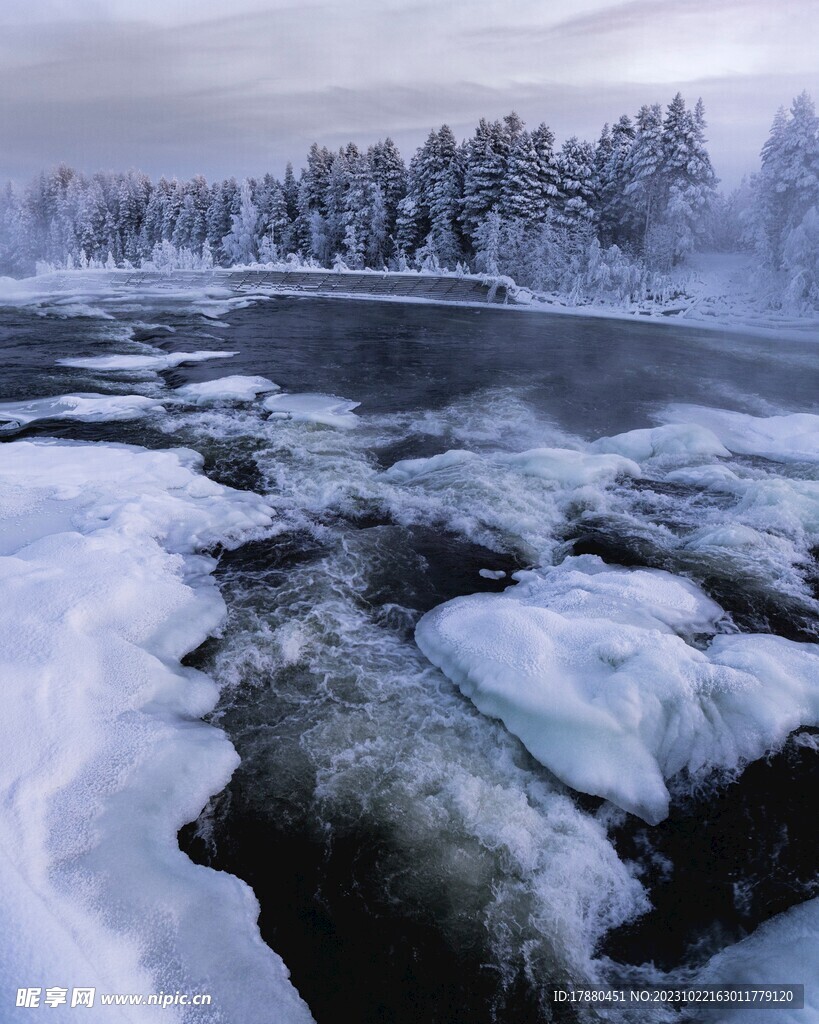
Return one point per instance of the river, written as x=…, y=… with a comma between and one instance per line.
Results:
x=413, y=860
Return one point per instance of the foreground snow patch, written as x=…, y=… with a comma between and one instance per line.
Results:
x=104, y=755
x=158, y=361
x=85, y=406
x=591, y=666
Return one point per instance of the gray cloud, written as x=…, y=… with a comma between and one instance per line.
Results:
x=126, y=84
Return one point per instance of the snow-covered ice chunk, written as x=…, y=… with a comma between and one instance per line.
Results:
x=328, y=410
x=492, y=574
x=85, y=406
x=783, y=950
x=794, y=437
x=590, y=666
x=157, y=361
x=412, y=469
x=677, y=439
x=569, y=468
x=104, y=756
x=235, y=388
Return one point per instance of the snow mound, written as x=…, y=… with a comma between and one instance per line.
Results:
x=236, y=388
x=677, y=439
x=590, y=667
x=780, y=438
x=84, y=406
x=159, y=361
x=104, y=756
x=327, y=410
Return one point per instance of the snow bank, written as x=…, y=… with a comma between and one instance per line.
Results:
x=104, y=756
x=84, y=406
x=236, y=388
x=158, y=361
x=327, y=410
x=779, y=438
x=591, y=666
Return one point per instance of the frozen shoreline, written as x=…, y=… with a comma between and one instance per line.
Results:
x=718, y=294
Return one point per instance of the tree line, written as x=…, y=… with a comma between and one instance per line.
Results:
x=505, y=201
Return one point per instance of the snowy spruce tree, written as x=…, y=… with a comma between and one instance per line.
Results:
x=240, y=244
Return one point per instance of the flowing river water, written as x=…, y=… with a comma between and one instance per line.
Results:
x=412, y=859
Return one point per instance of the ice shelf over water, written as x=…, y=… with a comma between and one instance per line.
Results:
x=157, y=361
x=84, y=406
x=592, y=667
x=105, y=757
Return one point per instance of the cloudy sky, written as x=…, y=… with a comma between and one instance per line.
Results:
x=241, y=86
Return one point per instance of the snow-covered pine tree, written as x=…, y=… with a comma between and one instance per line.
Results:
x=390, y=174
x=645, y=190
x=577, y=182
x=689, y=178
x=240, y=243
x=615, y=217
x=787, y=186
x=487, y=154
x=427, y=216
x=224, y=205
x=528, y=190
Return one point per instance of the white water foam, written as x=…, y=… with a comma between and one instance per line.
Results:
x=104, y=756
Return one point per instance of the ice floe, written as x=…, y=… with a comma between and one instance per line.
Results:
x=235, y=388
x=327, y=410
x=794, y=437
x=84, y=406
x=671, y=439
x=156, y=361
x=594, y=669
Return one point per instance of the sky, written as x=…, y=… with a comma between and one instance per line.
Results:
x=241, y=87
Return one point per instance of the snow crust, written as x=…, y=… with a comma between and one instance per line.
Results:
x=310, y=407
x=104, y=754
x=236, y=388
x=593, y=668
x=84, y=406
x=158, y=361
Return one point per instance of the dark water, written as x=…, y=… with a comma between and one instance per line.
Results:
x=370, y=810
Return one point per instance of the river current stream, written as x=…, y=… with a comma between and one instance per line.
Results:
x=414, y=861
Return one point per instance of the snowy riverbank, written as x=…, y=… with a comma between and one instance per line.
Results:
x=714, y=290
